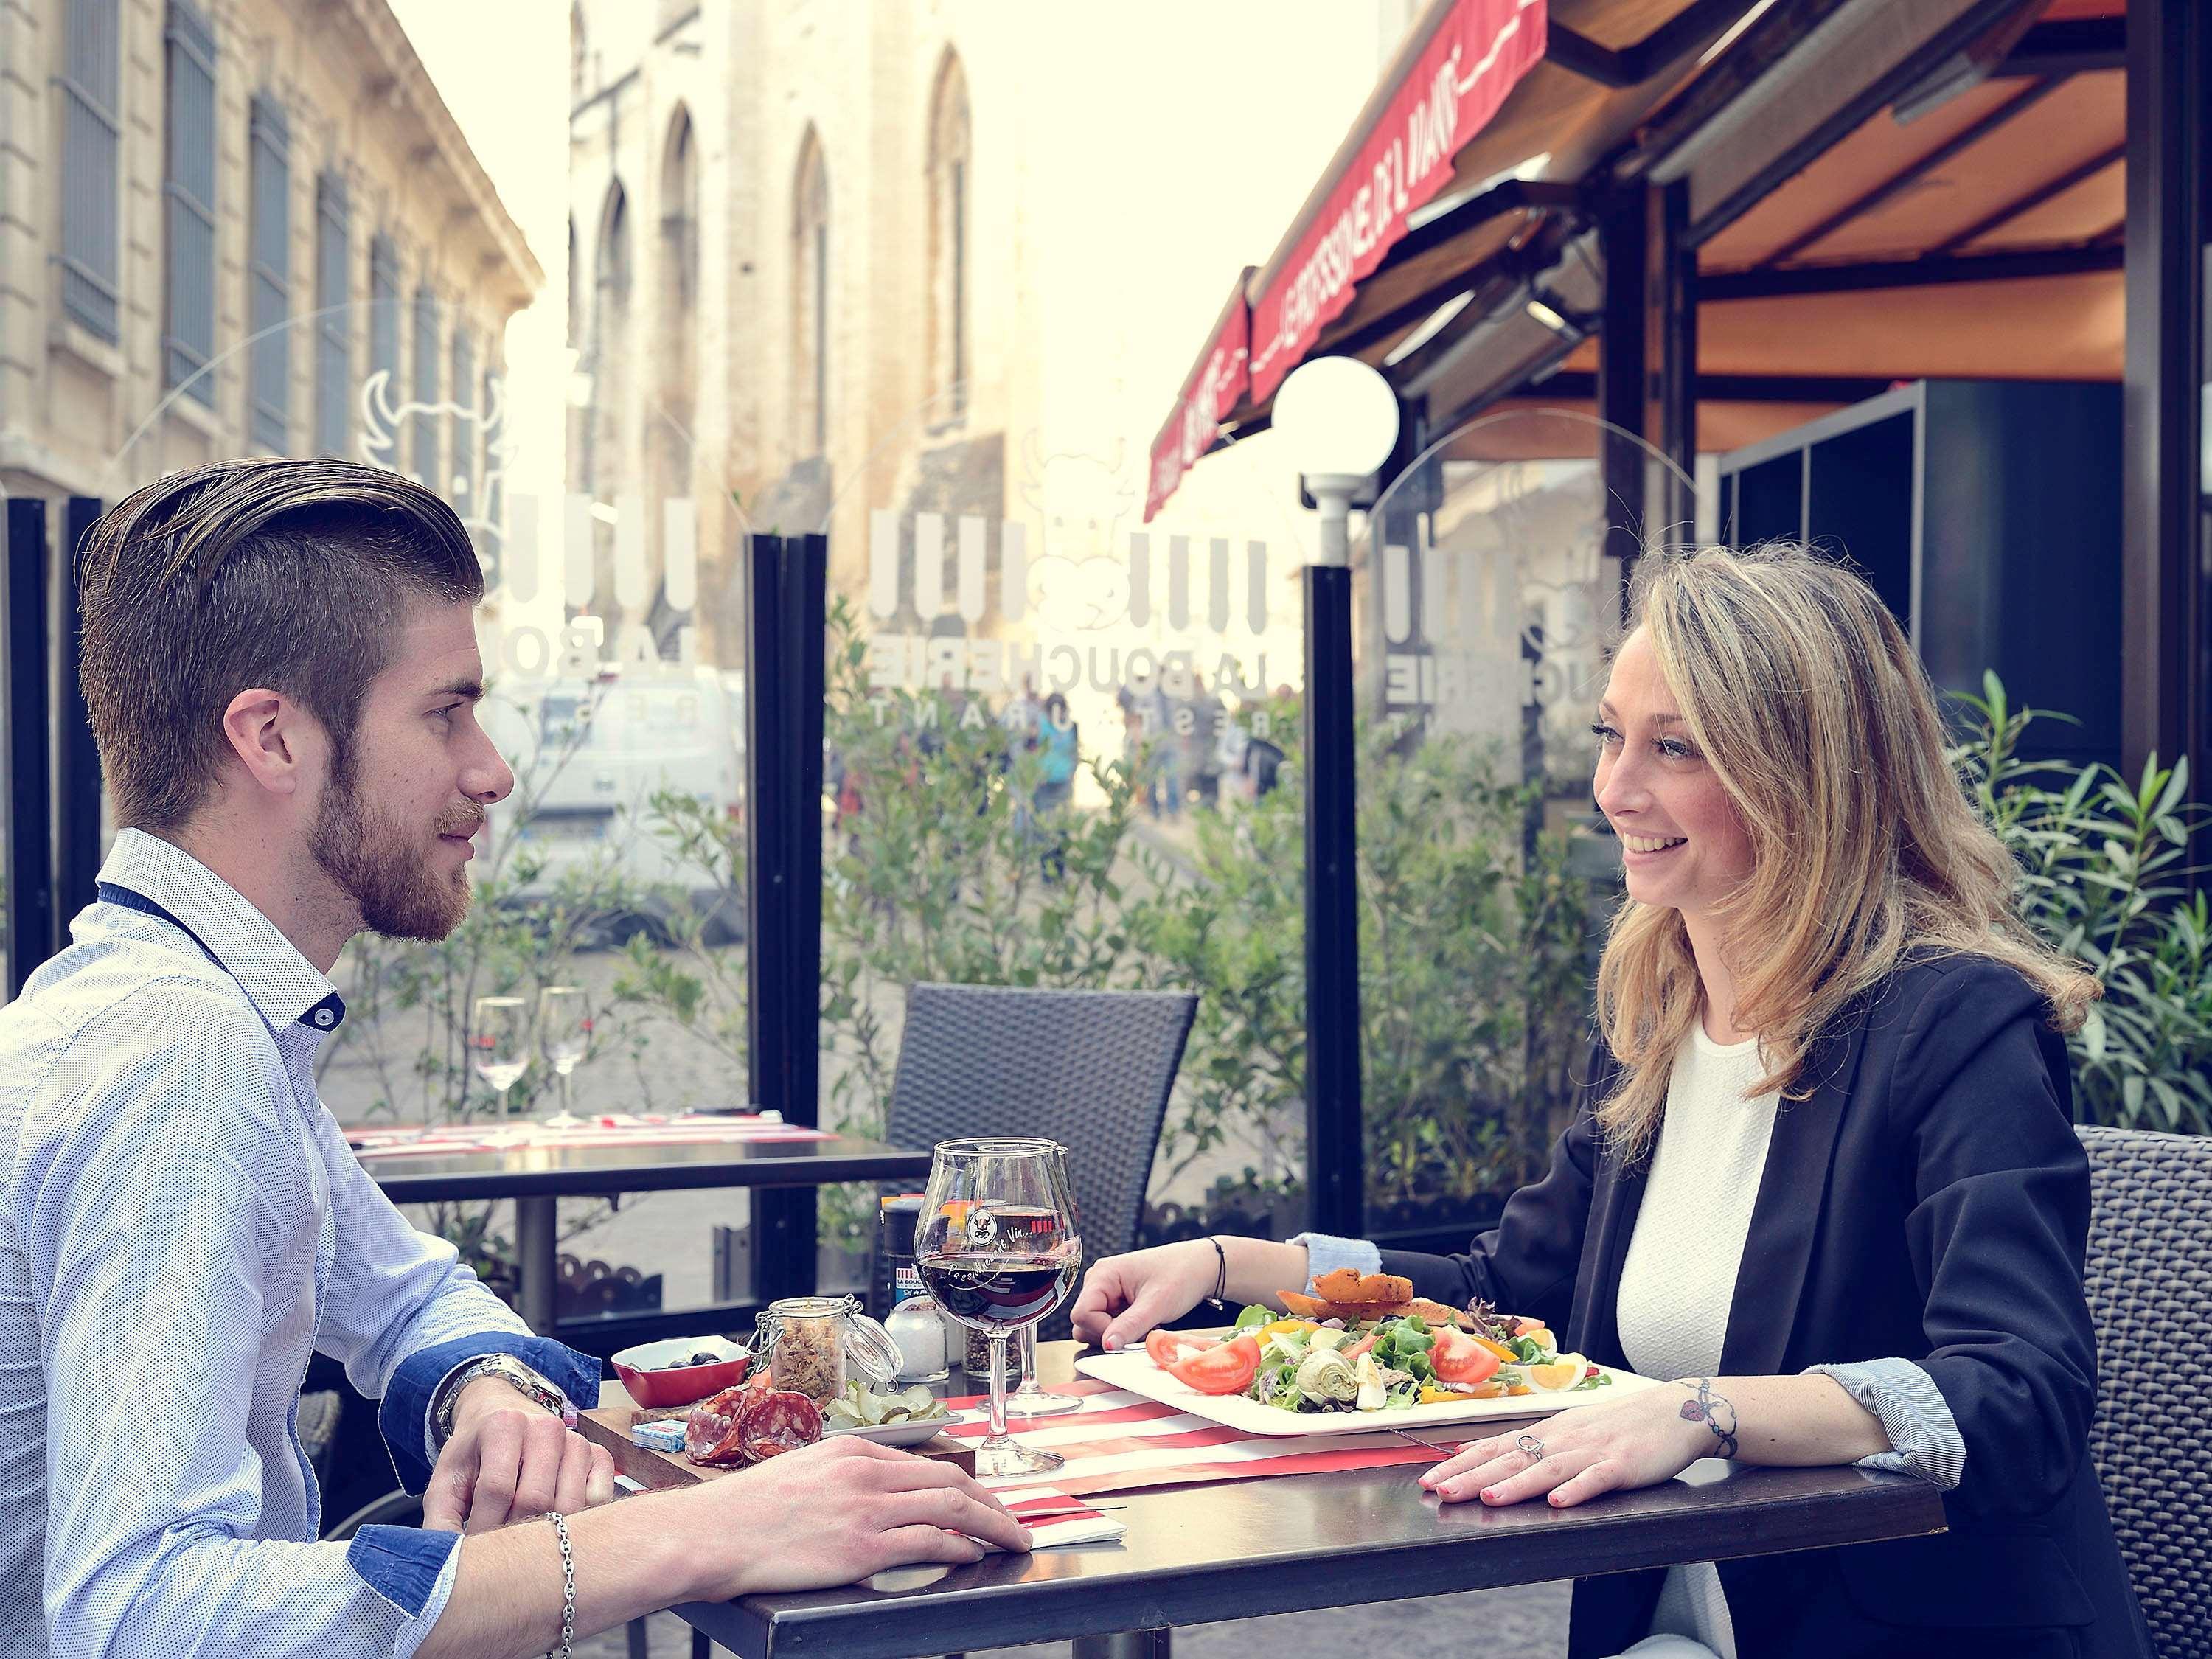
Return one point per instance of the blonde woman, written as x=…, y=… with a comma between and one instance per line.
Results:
x=1823, y=1177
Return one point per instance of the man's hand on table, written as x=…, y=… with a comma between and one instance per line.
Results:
x=836, y=1513
x=510, y=1460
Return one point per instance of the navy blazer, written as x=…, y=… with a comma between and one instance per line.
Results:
x=1929, y=1200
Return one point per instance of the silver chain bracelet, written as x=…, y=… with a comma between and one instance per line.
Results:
x=568, y=1587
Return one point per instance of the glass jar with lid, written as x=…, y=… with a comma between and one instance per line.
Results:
x=812, y=1345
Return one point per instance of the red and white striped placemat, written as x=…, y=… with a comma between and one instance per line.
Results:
x=1121, y=1441
x=604, y=1129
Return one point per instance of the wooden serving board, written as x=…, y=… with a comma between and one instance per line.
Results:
x=608, y=1426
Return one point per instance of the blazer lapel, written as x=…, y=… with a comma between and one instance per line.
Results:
x=1615, y=1198
x=1785, y=1219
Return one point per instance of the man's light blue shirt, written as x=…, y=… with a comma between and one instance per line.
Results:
x=182, y=1225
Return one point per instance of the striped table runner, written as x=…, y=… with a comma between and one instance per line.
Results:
x=1122, y=1442
x=609, y=1129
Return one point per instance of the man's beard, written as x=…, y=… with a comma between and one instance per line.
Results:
x=375, y=863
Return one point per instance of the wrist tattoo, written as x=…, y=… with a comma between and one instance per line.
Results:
x=1713, y=1411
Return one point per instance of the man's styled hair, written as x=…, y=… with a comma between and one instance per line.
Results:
x=292, y=574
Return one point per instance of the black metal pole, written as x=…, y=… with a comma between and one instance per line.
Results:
x=24, y=718
x=76, y=758
x=2162, y=627
x=786, y=615
x=1335, y=1158
x=1620, y=382
x=1671, y=345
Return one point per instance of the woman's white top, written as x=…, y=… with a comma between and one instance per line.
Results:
x=1678, y=1279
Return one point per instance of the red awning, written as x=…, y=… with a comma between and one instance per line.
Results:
x=1447, y=83
x=1216, y=385
x=1402, y=158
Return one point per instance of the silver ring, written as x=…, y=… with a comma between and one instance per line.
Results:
x=1533, y=1446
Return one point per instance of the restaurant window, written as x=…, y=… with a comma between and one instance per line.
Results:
x=91, y=139
x=423, y=450
x=333, y=315
x=810, y=306
x=269, y=272
x=948, y=238
x=384, y=313
x=188, y=195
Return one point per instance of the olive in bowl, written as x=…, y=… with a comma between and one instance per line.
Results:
x=679, y=1370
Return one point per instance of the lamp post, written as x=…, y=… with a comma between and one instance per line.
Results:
x=1338, y=419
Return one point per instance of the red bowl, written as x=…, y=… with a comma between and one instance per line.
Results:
x=683, y=1384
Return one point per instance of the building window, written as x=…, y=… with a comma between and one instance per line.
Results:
x=268, y=273
x=461, y=425
x=424, y=449
x=91, y=141
x=675, y=362
x=949, y=174
x=607, y=352
x=809, y=309
x=384, y=317
x=334, y=316
x=188, y=193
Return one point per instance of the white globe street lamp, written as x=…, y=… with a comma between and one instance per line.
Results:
x=1338, y=419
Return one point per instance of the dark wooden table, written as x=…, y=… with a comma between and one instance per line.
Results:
x=537, y=1178
x=1198, y=1554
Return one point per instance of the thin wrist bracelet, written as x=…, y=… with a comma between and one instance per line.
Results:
x=1221, y=1272
x=567, y=1588
x=1714, y=1411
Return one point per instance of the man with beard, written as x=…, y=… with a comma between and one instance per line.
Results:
x=281, y=667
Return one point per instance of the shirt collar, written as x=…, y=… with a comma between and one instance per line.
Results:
x=281, y=983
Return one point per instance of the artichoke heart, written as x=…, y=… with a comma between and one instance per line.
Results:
x=1328, y=1376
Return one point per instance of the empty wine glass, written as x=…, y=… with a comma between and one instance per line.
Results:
x=997, y=1248
x=1030, y=1400
x=499, y=1040
x=564, y=1027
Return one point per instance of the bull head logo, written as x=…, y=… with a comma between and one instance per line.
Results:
x=471, y=479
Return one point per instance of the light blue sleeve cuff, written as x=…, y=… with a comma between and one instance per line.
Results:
x=1923, y=1436
x=1326, y=1253
x=405, y=1565
x=404, y=1416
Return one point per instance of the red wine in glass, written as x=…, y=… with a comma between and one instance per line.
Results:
x=1008, y=1292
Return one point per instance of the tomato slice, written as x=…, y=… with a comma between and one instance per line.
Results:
x=1460, y=1357
x=1228, y=1368
x=1166, y=1347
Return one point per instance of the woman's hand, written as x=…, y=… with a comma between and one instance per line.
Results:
x=1643, y=1440
x=1126, y=1296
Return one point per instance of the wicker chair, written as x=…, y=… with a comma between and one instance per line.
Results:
x=2149, y=1280
x=1089, y=1069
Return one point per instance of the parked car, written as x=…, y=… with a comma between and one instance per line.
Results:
x=589, y=757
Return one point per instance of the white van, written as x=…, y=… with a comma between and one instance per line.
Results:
x=588, y=757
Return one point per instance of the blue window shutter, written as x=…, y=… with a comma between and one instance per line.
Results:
x=91, y=143
x=334, y=316
x=188, y=193
x=268, y=273
x=427, y=468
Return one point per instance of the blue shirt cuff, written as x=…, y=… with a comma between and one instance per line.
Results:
x=1326, y=1253
x=1923, y=1436
x=402, y=1565
x=405, y=1410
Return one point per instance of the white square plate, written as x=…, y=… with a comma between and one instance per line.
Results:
x=1133, y=1370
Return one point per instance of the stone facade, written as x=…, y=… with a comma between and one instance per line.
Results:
x=81, y=413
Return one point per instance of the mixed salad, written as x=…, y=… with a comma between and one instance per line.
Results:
x=1387, y=1363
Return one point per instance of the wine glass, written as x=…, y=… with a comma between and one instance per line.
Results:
x=997, y=1248
x=564, y=1026
x=499, y=1036
x=1030, y=1400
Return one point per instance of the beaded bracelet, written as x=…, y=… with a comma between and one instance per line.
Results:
x=1714, y=1411
x=568, y=1587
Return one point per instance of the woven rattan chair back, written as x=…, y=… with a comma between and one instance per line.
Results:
x=2149, y=1276
x=1089, y=1069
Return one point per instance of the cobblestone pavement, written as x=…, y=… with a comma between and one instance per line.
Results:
x=1527, y=1619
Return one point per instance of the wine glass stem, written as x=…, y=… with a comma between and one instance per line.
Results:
x=1029, y=1360
x=565, y=1110
x=998, y=1385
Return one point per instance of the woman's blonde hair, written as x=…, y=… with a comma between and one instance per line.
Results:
x=1806, y=699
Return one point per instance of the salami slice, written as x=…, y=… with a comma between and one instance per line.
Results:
x=777, y=1422
x=710, y=1433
